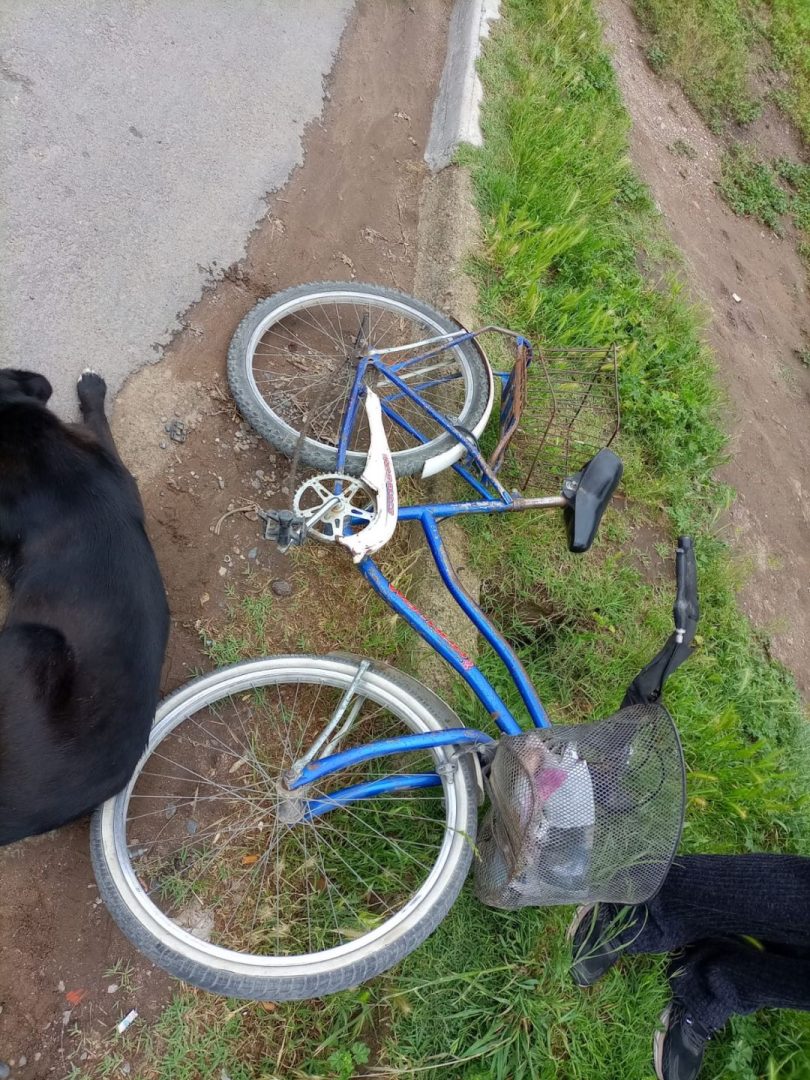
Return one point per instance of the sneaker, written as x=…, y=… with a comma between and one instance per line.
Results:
x=678, y=1045
x=592, y=954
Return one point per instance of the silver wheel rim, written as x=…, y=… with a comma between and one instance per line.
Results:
x=333, y=672
x=390, y=305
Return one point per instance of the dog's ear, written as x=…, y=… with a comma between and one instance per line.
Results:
x=29, y=383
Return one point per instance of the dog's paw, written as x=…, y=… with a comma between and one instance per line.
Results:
x=91, y=386
x=90, y=378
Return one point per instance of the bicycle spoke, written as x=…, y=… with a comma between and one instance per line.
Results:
x=304, y=365
x=221, y=846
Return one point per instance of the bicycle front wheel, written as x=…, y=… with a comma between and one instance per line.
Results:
x=209, y=869
x=292, y=362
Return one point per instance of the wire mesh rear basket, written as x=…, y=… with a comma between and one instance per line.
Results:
x=560, y=407
x=583, y=813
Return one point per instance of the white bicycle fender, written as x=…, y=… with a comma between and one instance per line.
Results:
x=433, y=466
x=379, y=476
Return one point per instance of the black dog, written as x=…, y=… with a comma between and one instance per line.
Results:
x=83, y=645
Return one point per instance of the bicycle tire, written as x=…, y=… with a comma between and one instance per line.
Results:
x=424, y=459
x=233, y=974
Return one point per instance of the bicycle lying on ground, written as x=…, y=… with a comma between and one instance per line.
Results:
x=298, y=824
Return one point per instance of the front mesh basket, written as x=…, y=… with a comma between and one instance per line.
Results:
x=583, y=813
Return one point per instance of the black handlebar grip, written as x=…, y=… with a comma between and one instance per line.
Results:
x=686, y=611
x=648, y=685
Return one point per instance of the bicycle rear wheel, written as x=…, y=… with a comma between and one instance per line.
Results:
x=206, y=870
x=291, y=367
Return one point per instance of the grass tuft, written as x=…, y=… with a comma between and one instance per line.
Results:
x=752, y=188
x=706, y=46
x=797, y=177
x=786, y=25
x=767, y=192
x=716, y=48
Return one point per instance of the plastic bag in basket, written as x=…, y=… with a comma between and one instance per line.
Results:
x=583, y=813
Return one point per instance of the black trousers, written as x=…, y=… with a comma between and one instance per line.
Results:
x=739, y=926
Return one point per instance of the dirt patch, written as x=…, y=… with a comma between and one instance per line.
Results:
x=755, y=288
x=350, y=211
x=650, y=550
x=60, y=951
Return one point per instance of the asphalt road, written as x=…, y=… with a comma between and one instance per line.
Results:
x=137, y=140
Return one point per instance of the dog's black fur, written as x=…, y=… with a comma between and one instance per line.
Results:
x=83, y=644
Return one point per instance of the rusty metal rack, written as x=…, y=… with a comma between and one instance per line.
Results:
x=558, y=408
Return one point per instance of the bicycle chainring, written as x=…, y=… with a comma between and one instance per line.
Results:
x=356, y=502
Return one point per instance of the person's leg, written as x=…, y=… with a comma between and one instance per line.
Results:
x=712, y=981
x=716, y=979
x=703, y=896
x=714, y=896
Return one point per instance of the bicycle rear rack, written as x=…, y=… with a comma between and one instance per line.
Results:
x=560, y=407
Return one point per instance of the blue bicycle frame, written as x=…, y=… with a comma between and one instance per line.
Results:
x=493, y=498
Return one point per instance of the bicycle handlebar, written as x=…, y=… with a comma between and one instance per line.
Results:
x=648, y=685
x=686, y=610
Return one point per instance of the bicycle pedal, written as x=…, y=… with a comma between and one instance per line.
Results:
x=284, y=527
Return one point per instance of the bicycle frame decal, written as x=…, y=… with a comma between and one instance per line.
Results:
x=477, y=681
x=466, y=661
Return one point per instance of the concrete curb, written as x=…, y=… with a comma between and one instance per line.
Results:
x=458, y=104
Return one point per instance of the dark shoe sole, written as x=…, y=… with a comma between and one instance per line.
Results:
x=579, y=917
x=658, y=1043
x=582, y=913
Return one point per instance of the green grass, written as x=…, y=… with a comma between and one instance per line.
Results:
x=715, y=47
x=245, y=632
x=200, y=1037
x=752, y=187
x=488, y=996
x=797, y=177
x=706, y=46
x=766, y=191
x=786, y=24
